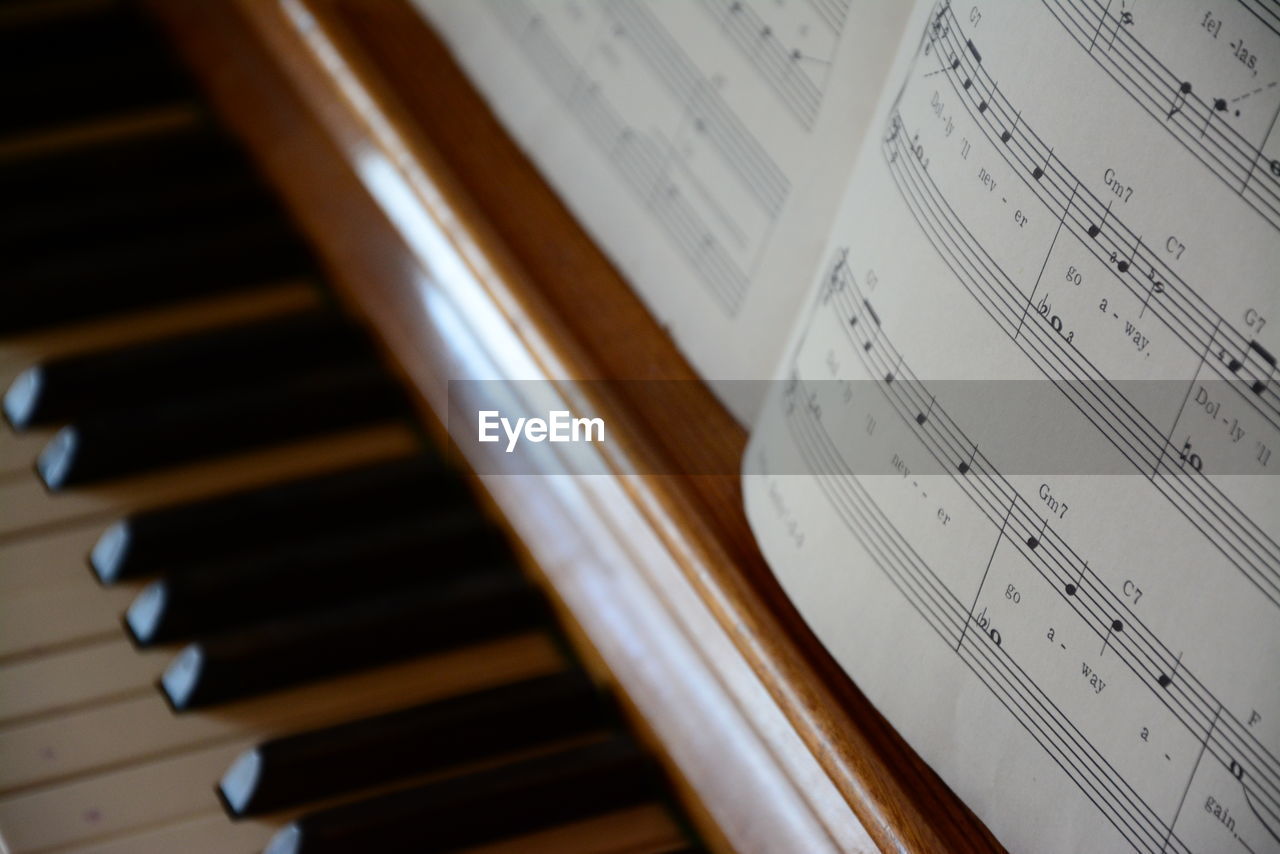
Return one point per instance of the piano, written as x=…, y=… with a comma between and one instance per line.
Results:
x=251, y=598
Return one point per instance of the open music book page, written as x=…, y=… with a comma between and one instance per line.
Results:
x=1065, y=595
x=704, y=145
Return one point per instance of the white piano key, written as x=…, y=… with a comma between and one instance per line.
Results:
x=132, y=730
x=49, y=619
x=116, y=802
x=53, y=559
x=19, y=450
x=646, y=829
x=210, y=833
x=94, y=673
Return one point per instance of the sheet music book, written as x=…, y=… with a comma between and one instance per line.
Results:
x=1015, y=269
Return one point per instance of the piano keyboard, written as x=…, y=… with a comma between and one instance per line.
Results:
x=242, y=606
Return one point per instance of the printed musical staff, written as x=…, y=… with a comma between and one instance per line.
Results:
x=1224, y=737
x=669, y=63
x=1173, y=102
x=833, y=12
x=1237, y=536
x=982, y=651
x=1166, y=679
x=794, y=74
x=1034, y=540
x=719, y=241
x=1240, y=538
x=1142, y=273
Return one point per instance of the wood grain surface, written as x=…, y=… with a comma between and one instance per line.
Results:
x=324, y=90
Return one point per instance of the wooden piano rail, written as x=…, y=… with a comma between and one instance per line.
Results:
x=441, y=234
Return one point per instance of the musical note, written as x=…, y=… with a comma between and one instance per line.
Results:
x=982, y=105
x=1123, y=266
x=1033, y=542
x=1180, y=98
x=888, y=378
x=1259, y=385
x=872, y=312
x=1095, y=230
x=1157, y=287
x=1008, y=134
x=835, y=282
x=922, y=417
x=1072, y=588
x=1166, y=679
x=1038, y=172
x=1115, y=628
x=965, y=466
x=1220, y=106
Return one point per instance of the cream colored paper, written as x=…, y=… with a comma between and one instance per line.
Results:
x=704, y=144
x=1076, y=190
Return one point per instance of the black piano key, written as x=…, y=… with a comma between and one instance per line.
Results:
x=75, y=68
x=485, y=806
x=67, y=177
x=444, y=613
x=66, y=388
x=361, y=563
x=41, y=231
x=143, y=271
x=131, y=441
x=174, y=538
x=304, y=768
